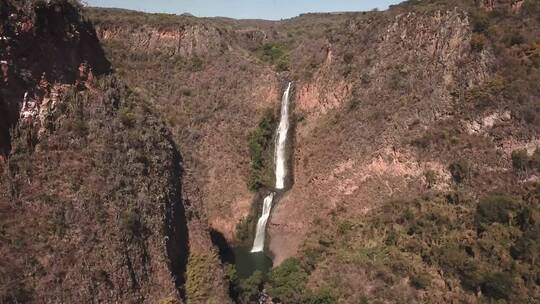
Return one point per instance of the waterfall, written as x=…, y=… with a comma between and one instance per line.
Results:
x=281, y=141
x=258, y=244
x=280, y=158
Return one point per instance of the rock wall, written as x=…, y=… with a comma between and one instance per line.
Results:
x=92, y=207
x=45, y=39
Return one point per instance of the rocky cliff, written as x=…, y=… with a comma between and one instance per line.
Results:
x=31, y=32
x=417, y=102
x=91, y=201
x=415, y=160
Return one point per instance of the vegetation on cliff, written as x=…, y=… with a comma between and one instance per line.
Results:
x=416, y=161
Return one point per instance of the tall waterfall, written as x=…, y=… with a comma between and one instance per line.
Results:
x=280, y=158
x=281, y=141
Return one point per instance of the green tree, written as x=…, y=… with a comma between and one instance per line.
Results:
x=498, y=285
x=287, y=282
x=495, y=208
x=520, y=159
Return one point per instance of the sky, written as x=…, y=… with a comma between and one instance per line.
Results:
x=245, y=9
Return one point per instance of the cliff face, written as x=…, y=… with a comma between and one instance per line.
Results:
x=29, y=34
x=406, y=122
x=423, y=102
x=211, y=90
x=91, y=199
x=385, y=78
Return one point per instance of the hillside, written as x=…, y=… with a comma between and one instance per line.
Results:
x=90, y=191
x=430, y=107
x=414, y=159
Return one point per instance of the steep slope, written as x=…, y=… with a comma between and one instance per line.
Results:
x=31, y=32
x=406, y=120
x=210, y=88
x=407, y=114
x=90, y=194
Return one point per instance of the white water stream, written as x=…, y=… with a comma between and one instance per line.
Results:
x=280, y=158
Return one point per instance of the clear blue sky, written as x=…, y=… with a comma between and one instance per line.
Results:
x=245, y=9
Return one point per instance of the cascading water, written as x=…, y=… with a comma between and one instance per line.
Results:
x=258, y=244
x=280, y=158
x=281, y=141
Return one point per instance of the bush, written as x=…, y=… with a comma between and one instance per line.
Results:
x=248, y=289
x=196, y=64
x=498, y=285
x=323, y=296
x=244, y=227
x=421, y=281
x=478, y=42
x=528, y=246
x=520, y=159
x=260, y=143
x=287, y=282
x=480, y=22
x=431, y=178
x=275, y=54
x=131, y=224
x=201, y=278
x=460, y=170
x=534, y=161
x=169, y=300
x=348, y=57
x=127, y=117
x=494, y=208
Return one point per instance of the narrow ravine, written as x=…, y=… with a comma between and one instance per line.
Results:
x=280, y=159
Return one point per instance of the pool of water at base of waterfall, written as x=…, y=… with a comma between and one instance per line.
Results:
x=247, y=262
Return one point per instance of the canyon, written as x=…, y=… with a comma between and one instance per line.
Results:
x=148, y=151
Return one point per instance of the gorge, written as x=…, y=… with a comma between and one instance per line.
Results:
x=158, y=158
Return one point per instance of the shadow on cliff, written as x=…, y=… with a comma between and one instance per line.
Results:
x=226, y=253
x=56, y=42
x=176, y=227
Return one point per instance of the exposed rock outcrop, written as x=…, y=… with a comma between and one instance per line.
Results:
x=45, y=38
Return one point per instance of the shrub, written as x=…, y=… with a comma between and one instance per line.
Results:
x=131, y=224
x=514, y=38
x=348, y=57
x=287, y=282
x=275, y=54
x=127, y=117
x=478, y=42
x=431, y=178
x=169, y=300
x=249, y=288
x=243, y=228
x=454, y=259
x=323, y=296
x=421, y=281
x=460, y=170
x=534, y=160
x=494, y=208
x=196, y=64
x=201, y=278
x=498, y=285
x=528, y=246
x=480, y=22
x=353, y=104
x=260, y=142
x=520, y=159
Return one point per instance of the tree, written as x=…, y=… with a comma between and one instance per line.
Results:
x=495, y=208
x=498, y=285
x=287, y=282
x=459, y=170
x=520, y=159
